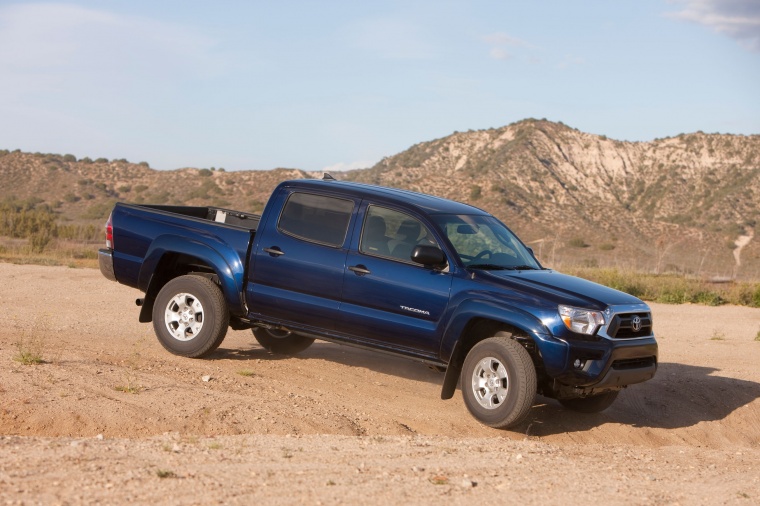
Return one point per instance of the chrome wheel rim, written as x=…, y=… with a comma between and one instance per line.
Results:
x=490, y=383
x=184, y=316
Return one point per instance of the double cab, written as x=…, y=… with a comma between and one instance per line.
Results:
x=396, y=271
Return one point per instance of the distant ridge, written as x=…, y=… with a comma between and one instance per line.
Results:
x=689, y=203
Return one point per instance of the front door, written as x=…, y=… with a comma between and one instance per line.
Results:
x=387, y=298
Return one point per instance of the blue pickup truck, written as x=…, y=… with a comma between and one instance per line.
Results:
x=400, y=272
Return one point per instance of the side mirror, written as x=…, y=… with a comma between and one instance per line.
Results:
x=429, y=256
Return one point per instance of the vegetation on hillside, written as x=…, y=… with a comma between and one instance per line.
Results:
x=668, y=216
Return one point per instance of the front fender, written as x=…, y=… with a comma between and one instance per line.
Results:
x=552, y=352
x=224, y=260
x=491, y=310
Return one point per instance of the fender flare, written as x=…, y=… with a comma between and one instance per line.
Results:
x=454, y=345
x=223, y=260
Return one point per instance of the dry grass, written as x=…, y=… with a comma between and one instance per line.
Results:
x=673, y=288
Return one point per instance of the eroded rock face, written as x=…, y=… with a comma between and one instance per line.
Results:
x=676, y=201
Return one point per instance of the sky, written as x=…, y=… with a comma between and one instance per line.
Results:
x=337, y=85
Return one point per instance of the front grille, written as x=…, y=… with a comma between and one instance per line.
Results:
x=622, y=326
x=634, y=363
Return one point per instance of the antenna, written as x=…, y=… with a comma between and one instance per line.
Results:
x=327, y=177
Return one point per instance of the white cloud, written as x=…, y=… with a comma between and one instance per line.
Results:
x=503, y=46
x=393, y=39
x=49, y=47
x=739, y=19
x=503, y=39
x=571, y=61
x=499, y=53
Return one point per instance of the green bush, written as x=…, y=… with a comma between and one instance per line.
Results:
x=577, y=242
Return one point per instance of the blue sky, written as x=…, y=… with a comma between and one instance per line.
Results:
x=341, y=84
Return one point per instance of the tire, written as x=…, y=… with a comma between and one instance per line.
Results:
x=281, y=342
x=498, y=382
x=592, y=404
x=190, y=316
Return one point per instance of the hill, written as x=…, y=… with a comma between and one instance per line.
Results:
x=688, y=203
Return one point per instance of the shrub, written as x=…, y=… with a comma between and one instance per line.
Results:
x=101, y=160
x=69, y=158
x=577, y=242
x=39, y=240
x=205, y=172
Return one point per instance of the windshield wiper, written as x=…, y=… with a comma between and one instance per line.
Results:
x=492, y=267
x=495, y=267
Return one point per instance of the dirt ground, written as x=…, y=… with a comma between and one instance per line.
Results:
x=110, y=417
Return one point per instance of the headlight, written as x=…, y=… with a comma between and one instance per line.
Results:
x=582, y=321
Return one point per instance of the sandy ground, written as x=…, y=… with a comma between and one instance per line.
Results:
x=110, y=417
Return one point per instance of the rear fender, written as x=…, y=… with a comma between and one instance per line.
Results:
x=222, y=259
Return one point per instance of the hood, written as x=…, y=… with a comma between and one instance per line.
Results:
x=560, y=288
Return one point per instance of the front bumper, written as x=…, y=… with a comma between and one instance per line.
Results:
x=610, y=365
x=105, y=262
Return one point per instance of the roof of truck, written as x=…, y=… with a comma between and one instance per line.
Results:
x=426, y=203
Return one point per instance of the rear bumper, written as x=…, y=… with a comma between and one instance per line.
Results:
x=105, y=262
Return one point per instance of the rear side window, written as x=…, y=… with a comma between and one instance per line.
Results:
x=391, y=234
x=316, y=218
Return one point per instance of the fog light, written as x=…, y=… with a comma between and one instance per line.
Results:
x=579, y=364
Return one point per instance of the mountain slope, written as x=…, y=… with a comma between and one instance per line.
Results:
x=693, y=195
x=688, y=203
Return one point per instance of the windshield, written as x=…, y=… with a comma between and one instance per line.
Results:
x=483, y=242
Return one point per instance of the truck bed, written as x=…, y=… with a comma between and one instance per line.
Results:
x=217, y=214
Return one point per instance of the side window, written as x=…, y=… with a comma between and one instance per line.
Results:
x=316, y=218
x=392, y=234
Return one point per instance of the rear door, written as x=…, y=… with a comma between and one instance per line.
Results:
x=388, y=299
x=297, y=272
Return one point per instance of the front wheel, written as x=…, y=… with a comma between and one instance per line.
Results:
x=281, y=342
x=498, y=382
x=190, y=316
x=591, y=404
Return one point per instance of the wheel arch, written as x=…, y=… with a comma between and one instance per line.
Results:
x=476, y=321
x=173, y=256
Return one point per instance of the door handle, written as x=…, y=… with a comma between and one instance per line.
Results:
x=360, y=270
x=274, y=251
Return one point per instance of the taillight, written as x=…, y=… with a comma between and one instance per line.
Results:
x=109, y=232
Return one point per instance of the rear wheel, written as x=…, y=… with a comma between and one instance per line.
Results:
x=591, y=404
x=190, y=316
x=281, y=342
x=498, y=382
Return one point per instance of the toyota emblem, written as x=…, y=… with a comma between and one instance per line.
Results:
x=636, y=323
